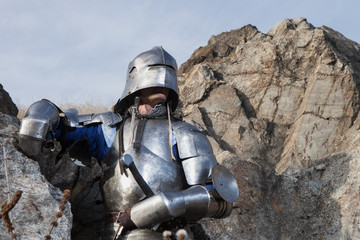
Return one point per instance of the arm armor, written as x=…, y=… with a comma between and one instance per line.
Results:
x=41, y=118
x=193, y=204
x=75, y=120
x=195, y=152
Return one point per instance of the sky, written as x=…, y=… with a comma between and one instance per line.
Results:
x=77, y=51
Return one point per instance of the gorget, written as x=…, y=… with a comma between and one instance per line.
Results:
x=153, y=161
x=159, y=111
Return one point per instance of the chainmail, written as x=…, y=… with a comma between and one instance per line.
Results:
x=159, y=111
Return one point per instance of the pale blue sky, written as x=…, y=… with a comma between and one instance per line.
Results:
x=78, y=50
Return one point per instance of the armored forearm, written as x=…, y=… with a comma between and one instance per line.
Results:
x=193, y=204
x=43, y=118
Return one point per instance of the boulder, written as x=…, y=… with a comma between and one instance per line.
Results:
x=32, y=215
x=281, y=110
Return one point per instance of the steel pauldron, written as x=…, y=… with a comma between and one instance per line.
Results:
x=41, y=118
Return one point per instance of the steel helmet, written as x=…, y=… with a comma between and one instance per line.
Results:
x=153, y=68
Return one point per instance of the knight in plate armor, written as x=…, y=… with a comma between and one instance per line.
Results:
x=159, y=172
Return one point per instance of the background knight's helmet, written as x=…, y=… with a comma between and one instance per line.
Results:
x=153, y=68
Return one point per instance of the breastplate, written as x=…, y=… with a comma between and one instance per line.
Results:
x=153, y=161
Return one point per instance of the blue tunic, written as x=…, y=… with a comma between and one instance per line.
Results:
x=99, y=138
x=94, y=135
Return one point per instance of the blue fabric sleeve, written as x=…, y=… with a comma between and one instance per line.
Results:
x=175, y=151
x=93, y=135
x=210, y=187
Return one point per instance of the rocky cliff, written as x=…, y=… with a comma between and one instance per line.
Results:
x=35, y=210
x=280, y=110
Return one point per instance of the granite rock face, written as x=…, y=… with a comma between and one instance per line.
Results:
x=281, y=110
x=39, y=202
x=42, y=181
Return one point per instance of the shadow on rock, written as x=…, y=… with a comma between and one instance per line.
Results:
x=298, y=204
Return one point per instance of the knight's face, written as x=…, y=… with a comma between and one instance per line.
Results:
x=154, y=95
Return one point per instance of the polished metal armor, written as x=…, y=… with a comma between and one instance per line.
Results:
x=165, y=176
x=196, y=152
x=178, y=185
x=153, y=161
x=41, y=118
x=153, y=68
x=75, y=120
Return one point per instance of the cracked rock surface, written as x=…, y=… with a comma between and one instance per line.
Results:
x=39, y=202
x=281, y=110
